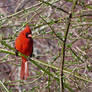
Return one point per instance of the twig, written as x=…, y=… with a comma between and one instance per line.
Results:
x=63, y=55
x=76, y=55
x=28, y=8
x=4, y=86
x=54, y=6
x=30, y=18
x=64, y=46
x=50, y=27
x=33, y=60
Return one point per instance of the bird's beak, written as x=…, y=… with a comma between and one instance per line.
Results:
x=29, y=35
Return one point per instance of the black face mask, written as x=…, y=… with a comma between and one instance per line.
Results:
x=27, y=35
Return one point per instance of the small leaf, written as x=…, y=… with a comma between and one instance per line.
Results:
x=1, y=15
x=78, y=20
x=70, y=34
x=90, y=7
x=68, y=87
x=69, y=0
x=59, y=43
x=69, y=45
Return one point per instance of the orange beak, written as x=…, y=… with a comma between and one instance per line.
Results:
x=29, y=35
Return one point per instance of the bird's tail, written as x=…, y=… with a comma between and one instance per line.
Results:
x=24, y=69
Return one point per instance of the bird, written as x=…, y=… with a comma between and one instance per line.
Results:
x=24, y=45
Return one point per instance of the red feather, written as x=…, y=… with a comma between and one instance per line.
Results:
x=24, y=44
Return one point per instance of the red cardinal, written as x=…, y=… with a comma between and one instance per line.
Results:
x=24, y=44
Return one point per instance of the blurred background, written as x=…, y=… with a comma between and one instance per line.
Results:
x=48, y=21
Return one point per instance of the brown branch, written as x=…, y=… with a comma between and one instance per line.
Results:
x=63, y=53
x=83, y=15
x=64, y=47
x=54, y=6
